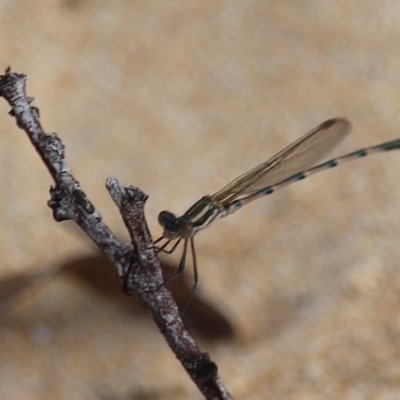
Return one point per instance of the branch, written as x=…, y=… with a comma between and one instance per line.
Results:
x=137, y=264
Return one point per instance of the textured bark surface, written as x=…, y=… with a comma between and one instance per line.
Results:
x=178, y=100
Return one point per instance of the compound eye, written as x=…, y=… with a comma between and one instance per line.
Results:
x=168, y=221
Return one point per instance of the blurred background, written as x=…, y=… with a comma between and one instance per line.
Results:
x=178, y=98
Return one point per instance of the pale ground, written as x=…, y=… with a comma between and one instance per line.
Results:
x=178, y=98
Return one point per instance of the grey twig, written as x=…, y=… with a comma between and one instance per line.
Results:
x=137, y=263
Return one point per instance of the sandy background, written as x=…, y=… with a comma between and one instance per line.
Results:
x=178, y=98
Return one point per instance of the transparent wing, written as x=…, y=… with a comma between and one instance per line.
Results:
x=298, y=156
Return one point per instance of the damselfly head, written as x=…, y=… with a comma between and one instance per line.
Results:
x=170, y=224
x=174, y=227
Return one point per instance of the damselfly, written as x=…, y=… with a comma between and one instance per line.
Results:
x=292, y=164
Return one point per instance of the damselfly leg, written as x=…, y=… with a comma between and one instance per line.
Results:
x=182, y=263
x=162, y=248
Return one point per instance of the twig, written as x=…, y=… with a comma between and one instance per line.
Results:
x=137, y=264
